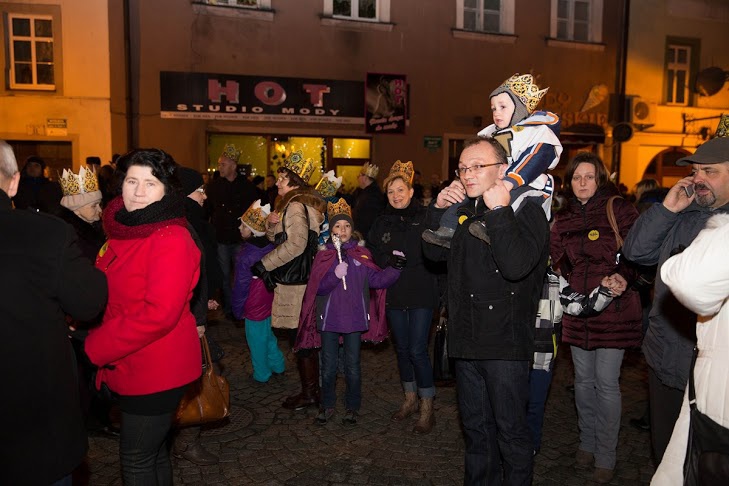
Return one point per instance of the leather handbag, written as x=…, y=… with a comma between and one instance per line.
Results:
x=296, y=271
x=207, y=399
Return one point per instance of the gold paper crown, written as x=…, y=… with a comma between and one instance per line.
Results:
x=524, y=88
x=722, y=130
x=404, y=170
x=84, y=182
x=370, y=170
x=255, y=216
x=231, y=152
x=341, y=207
x=329, y=184
x=303, y=168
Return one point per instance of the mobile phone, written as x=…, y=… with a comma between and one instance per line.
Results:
x=689, y=190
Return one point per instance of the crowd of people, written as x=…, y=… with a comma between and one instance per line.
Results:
x=112, y=304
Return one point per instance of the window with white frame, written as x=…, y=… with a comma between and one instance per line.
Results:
x=577, y=20
x=491, y=16
x=30, y=46
x=362, y=10
x=261, y=4
x=678, y=70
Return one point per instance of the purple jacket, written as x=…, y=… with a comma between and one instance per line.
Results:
x=250, y=300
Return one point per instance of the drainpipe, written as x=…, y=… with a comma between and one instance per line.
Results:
x=130, y=115
x=620, y=76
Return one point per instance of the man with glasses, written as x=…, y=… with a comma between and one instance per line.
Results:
x=493, y=291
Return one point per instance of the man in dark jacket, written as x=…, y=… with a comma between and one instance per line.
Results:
x=659, y=233
x=44, y=276
x=228, y=197
x=493, y=291
x=35, y=190
x=369, y=202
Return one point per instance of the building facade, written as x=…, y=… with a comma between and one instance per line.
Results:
x=55, y=94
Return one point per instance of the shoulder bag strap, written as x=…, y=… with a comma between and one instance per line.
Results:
x=691, y=389
x=613, y=222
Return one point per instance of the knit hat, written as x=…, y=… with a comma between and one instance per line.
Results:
x=339, y=211
x=79, y=189
x=255, y=217
x=77, y=201
x=190, y=179
x=523, y=92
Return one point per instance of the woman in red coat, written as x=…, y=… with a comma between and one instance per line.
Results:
x=582, y=235
x=147, y=347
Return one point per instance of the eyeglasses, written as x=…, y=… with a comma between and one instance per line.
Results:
x=461, y=171
x=201, y=190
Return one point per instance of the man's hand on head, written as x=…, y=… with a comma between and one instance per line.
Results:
x=455, y=193
x=497, y=195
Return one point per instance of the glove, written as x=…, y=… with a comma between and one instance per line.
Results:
x=341, y=270
x=258, y=270
x=397, y=260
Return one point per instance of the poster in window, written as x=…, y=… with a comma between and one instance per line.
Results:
x=385, y=103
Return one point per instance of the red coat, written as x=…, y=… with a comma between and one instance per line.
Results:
x=148, y=334
x=583, y=235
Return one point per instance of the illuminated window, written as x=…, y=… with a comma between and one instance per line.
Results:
x=31, y=44
x=262, y=4
x=493, y=16
x=678, y=69
x=364, y=10
x=577, y=20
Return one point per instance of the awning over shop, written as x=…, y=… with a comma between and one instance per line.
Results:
x=583, y=134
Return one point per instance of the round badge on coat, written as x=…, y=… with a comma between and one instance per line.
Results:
x=462, y=219
x=593, y=235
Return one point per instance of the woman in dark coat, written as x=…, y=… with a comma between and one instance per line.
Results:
x=410, y=301
x=582, y=235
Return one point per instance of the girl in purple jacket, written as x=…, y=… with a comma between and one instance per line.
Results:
x=339, y=306
x=251, y=300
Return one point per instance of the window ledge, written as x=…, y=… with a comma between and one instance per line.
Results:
x=584, y=46
x=358, y=25
x=233, y=11
x=484, y=36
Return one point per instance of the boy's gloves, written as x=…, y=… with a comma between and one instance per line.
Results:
x=258, y=270
x=341, y=270
x=397, y=260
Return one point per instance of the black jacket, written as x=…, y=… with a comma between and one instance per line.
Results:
x=208, y=247
x=44, y=277
x=402, y=229
x=226, y=203
x=494, y=289
x=368, y=205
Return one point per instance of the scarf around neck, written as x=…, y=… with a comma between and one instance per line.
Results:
x=125, y=225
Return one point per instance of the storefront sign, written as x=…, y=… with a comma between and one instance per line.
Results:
x=256, y=98
x=57, y=127
x=432, y=143
x=386, y=103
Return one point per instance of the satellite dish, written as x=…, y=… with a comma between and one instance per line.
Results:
x=709, y=81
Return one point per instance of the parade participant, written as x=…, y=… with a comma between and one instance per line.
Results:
x=410, y=301
x=531, y=141
x=338, y=305
x=299, y=212
x=147, y=347
x=252, y=301
x=368, y=199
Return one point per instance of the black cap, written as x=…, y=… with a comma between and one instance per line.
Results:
x=190, y=179
x=715, y=151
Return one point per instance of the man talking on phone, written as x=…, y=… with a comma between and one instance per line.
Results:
x=660, y=232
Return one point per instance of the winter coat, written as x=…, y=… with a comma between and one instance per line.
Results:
x=251, y=299
x=147, y=342
x=367, y=207
x=365, y=290
x=582, y=234
x=402, y=229
x=494, y=289
x=195, y=215
x=226, y=202
x=669, y=342
x=699, y=278
x=44, y=277
x=287, y=298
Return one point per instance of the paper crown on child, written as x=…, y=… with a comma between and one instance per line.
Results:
x=400, y=169
x=84, y=182
x=714, y=151
x=303, y=168
x=328, y=184
x=231, y=152
x=255, y=217
x=523, y=88
x=370, y=170
x=338, y=211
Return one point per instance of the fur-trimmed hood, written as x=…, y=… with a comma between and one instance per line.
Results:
x=304, y=195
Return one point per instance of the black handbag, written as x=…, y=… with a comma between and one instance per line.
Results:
x=707, y=449
x=296, y=271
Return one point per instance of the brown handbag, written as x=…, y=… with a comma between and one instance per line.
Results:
x=207, y=399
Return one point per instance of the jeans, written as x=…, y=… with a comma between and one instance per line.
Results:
x=226, y=259
x=266, y=357
x=539, y=382
x=411, y=328
x=598, y=400
x=492, y=401
x=352, y=369
x=144, y=449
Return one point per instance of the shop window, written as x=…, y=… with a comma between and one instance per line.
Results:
x=31, y=51
x=491, y=16
x=577, y=20
x=361, y=10
x=260, y=4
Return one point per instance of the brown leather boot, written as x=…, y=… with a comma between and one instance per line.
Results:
x=427, y=418
x=309, y=376
x=408, y=407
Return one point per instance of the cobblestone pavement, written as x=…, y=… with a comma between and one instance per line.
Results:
x=264, y=444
